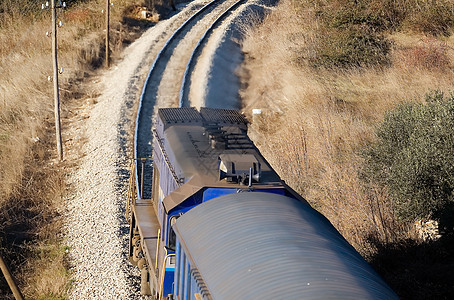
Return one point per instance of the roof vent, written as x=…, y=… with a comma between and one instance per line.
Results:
x=216, y=137
x=239, y=168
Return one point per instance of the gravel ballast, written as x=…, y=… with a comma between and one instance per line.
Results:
x=96, y=230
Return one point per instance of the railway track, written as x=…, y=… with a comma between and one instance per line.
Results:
x=195, y=150
x=95, y=228
x=168, y=80
x=186, y=82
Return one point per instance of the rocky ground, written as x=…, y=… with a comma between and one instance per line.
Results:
x=101, y=131
x=96, y=229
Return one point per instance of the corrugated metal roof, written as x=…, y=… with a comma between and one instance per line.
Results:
x=218, y=115
x=266, y=246
x=179, y=115
x=209, y=116
x=189, y=152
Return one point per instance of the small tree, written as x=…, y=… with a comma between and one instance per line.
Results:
x=414, y=158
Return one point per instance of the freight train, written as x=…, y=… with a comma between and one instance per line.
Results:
x=221, y=224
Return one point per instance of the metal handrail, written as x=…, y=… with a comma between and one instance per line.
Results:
x=157, y=248
x=166, y=158
x=130, y=195
x=163, y=273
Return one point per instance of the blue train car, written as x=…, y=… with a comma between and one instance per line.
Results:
x=256, y=245
x=217, y=206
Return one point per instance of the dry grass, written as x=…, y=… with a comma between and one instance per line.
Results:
x=31, y=181
x=425, y=54
x=316, y=121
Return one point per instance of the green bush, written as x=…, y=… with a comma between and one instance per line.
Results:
x=350, y=36
x=390, y=12
x=414, y=157
x=355, y=14
x=351, y=48
x=432, y=17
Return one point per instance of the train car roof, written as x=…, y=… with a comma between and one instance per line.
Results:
x=197, y=143
x=265, y=246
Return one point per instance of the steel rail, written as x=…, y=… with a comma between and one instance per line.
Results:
x=184, y=90
x=150, y=73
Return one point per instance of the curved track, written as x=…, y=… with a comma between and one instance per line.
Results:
x=185, y=84
x=169, y=70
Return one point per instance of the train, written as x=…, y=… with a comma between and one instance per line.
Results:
x=221, y=224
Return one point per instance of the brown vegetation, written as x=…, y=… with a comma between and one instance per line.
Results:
x=32, y=181
x=321, y=102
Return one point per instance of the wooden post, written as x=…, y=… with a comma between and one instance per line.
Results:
x=55, y=80
x=107, y=32
x=9, y=278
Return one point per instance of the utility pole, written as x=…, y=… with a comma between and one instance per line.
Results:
x=55, y=80
x=9, y=278
x=107, y=32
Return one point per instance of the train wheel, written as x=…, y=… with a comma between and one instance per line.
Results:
x=137, y=253
x=135, y=241
x=141, y=263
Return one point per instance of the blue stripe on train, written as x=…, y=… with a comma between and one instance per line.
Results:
x=211, y=193
x=168, y=282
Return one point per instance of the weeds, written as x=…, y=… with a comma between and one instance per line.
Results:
x=351, y=34
x=417, y=270
x=350, y=48
x=32, y=183
x=315, y=122
x=429, y=54
x=431, y=17
x=30, y=222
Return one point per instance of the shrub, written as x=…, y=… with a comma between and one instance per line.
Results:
x=355, y=14
x=390, y=12
x=351, y=48
x=414, y=157
x=351, y=33
x=349, y=36
x=432, y=17
x=430, y=55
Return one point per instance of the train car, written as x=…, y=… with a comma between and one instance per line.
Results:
x=256, y=245
x=221, y=224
